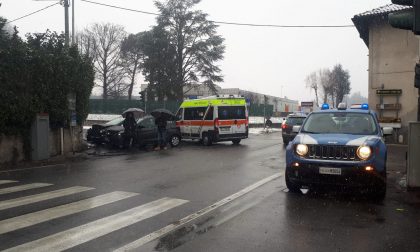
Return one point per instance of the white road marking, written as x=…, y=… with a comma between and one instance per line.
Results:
x=22, y=188
x=133, y=246
x=30, y=219
x=6, y=204
x=2, y=182
x=92, y=230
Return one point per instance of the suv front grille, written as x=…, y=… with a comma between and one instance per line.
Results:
x=333, y=152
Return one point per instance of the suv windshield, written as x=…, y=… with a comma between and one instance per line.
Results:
x=340, y=123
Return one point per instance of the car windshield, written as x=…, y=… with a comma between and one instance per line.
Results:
x=116, y=121
x=340, y=123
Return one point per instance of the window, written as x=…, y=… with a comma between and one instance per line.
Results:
x=231, y=112
x=147, y=123
x=295, y=120
x=116, y=121
x=194, y=113
x=209, y=115
x=179, y=114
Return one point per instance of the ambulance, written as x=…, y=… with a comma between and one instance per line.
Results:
x=214, y=119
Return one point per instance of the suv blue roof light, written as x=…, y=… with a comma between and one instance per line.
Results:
x=365, y=106
x=325, y=106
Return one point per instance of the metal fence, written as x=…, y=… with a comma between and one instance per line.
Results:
x=100, y=106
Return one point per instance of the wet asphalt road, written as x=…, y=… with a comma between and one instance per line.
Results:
x=191, y=178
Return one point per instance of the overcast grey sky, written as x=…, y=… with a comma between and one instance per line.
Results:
x=273, y=61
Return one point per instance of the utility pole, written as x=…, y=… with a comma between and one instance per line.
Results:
x=66, y=4
x=72, y=23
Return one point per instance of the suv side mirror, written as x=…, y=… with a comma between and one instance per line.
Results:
x=296, y=128
x=387, y=131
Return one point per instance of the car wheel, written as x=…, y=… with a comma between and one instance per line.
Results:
x=236, y=141
x=207, y=141
x=175, y=140
x=293, y=187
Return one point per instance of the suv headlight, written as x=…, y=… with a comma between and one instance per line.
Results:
x=364, y=152
x=302, y=149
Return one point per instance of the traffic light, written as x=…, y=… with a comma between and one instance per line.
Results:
x=406, y=19
x=142, y=95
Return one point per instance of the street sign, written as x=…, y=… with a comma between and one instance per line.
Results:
x=73, y=119
x=307, y=104
x=389, y=91
x=71, y=99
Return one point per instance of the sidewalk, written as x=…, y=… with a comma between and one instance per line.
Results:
x=53, y=161
x=396, y=172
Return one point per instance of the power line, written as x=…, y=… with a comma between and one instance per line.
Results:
x=29, y=14
x=121, y=8
x=227, y=23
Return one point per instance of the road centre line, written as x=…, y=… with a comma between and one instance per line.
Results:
x=6, y=204
x=2, y=182
x=133, y=246
x=30, y=219
x=78, y=235
x=22, y=188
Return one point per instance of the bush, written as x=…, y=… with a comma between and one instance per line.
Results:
x=36, y=76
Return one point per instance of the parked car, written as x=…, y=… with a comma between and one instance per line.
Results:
x=96, y=133
x=287, y=126
x=343, y=147
x=146, y=134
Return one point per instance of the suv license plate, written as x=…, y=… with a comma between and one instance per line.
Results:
x=330, y=171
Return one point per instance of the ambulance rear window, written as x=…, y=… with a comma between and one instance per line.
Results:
x=231, y=112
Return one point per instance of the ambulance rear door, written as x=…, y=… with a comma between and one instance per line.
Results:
x=232, y=119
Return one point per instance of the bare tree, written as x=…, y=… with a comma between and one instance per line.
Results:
x=325, y=83
x=312, y=83
x=132, y=49
x=341, y=81
x=102, y=42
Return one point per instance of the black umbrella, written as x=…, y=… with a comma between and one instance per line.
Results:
x=135, y=111
x=164, y=113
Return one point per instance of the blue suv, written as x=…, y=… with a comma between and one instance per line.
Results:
x=343, y=147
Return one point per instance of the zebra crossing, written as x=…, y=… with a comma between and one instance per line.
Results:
x=73, y=236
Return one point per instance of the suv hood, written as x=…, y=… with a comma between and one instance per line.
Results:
x=337, y=139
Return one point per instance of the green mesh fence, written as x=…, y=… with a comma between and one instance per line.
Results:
x=99, y=106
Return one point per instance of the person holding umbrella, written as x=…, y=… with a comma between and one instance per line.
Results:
x=162, y=116
x=131, y=116
x=129, y=125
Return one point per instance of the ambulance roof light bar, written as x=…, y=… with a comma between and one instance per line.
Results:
x=325, y=106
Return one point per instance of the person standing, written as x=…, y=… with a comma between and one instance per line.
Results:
x=161, y=124
x=129, y=125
